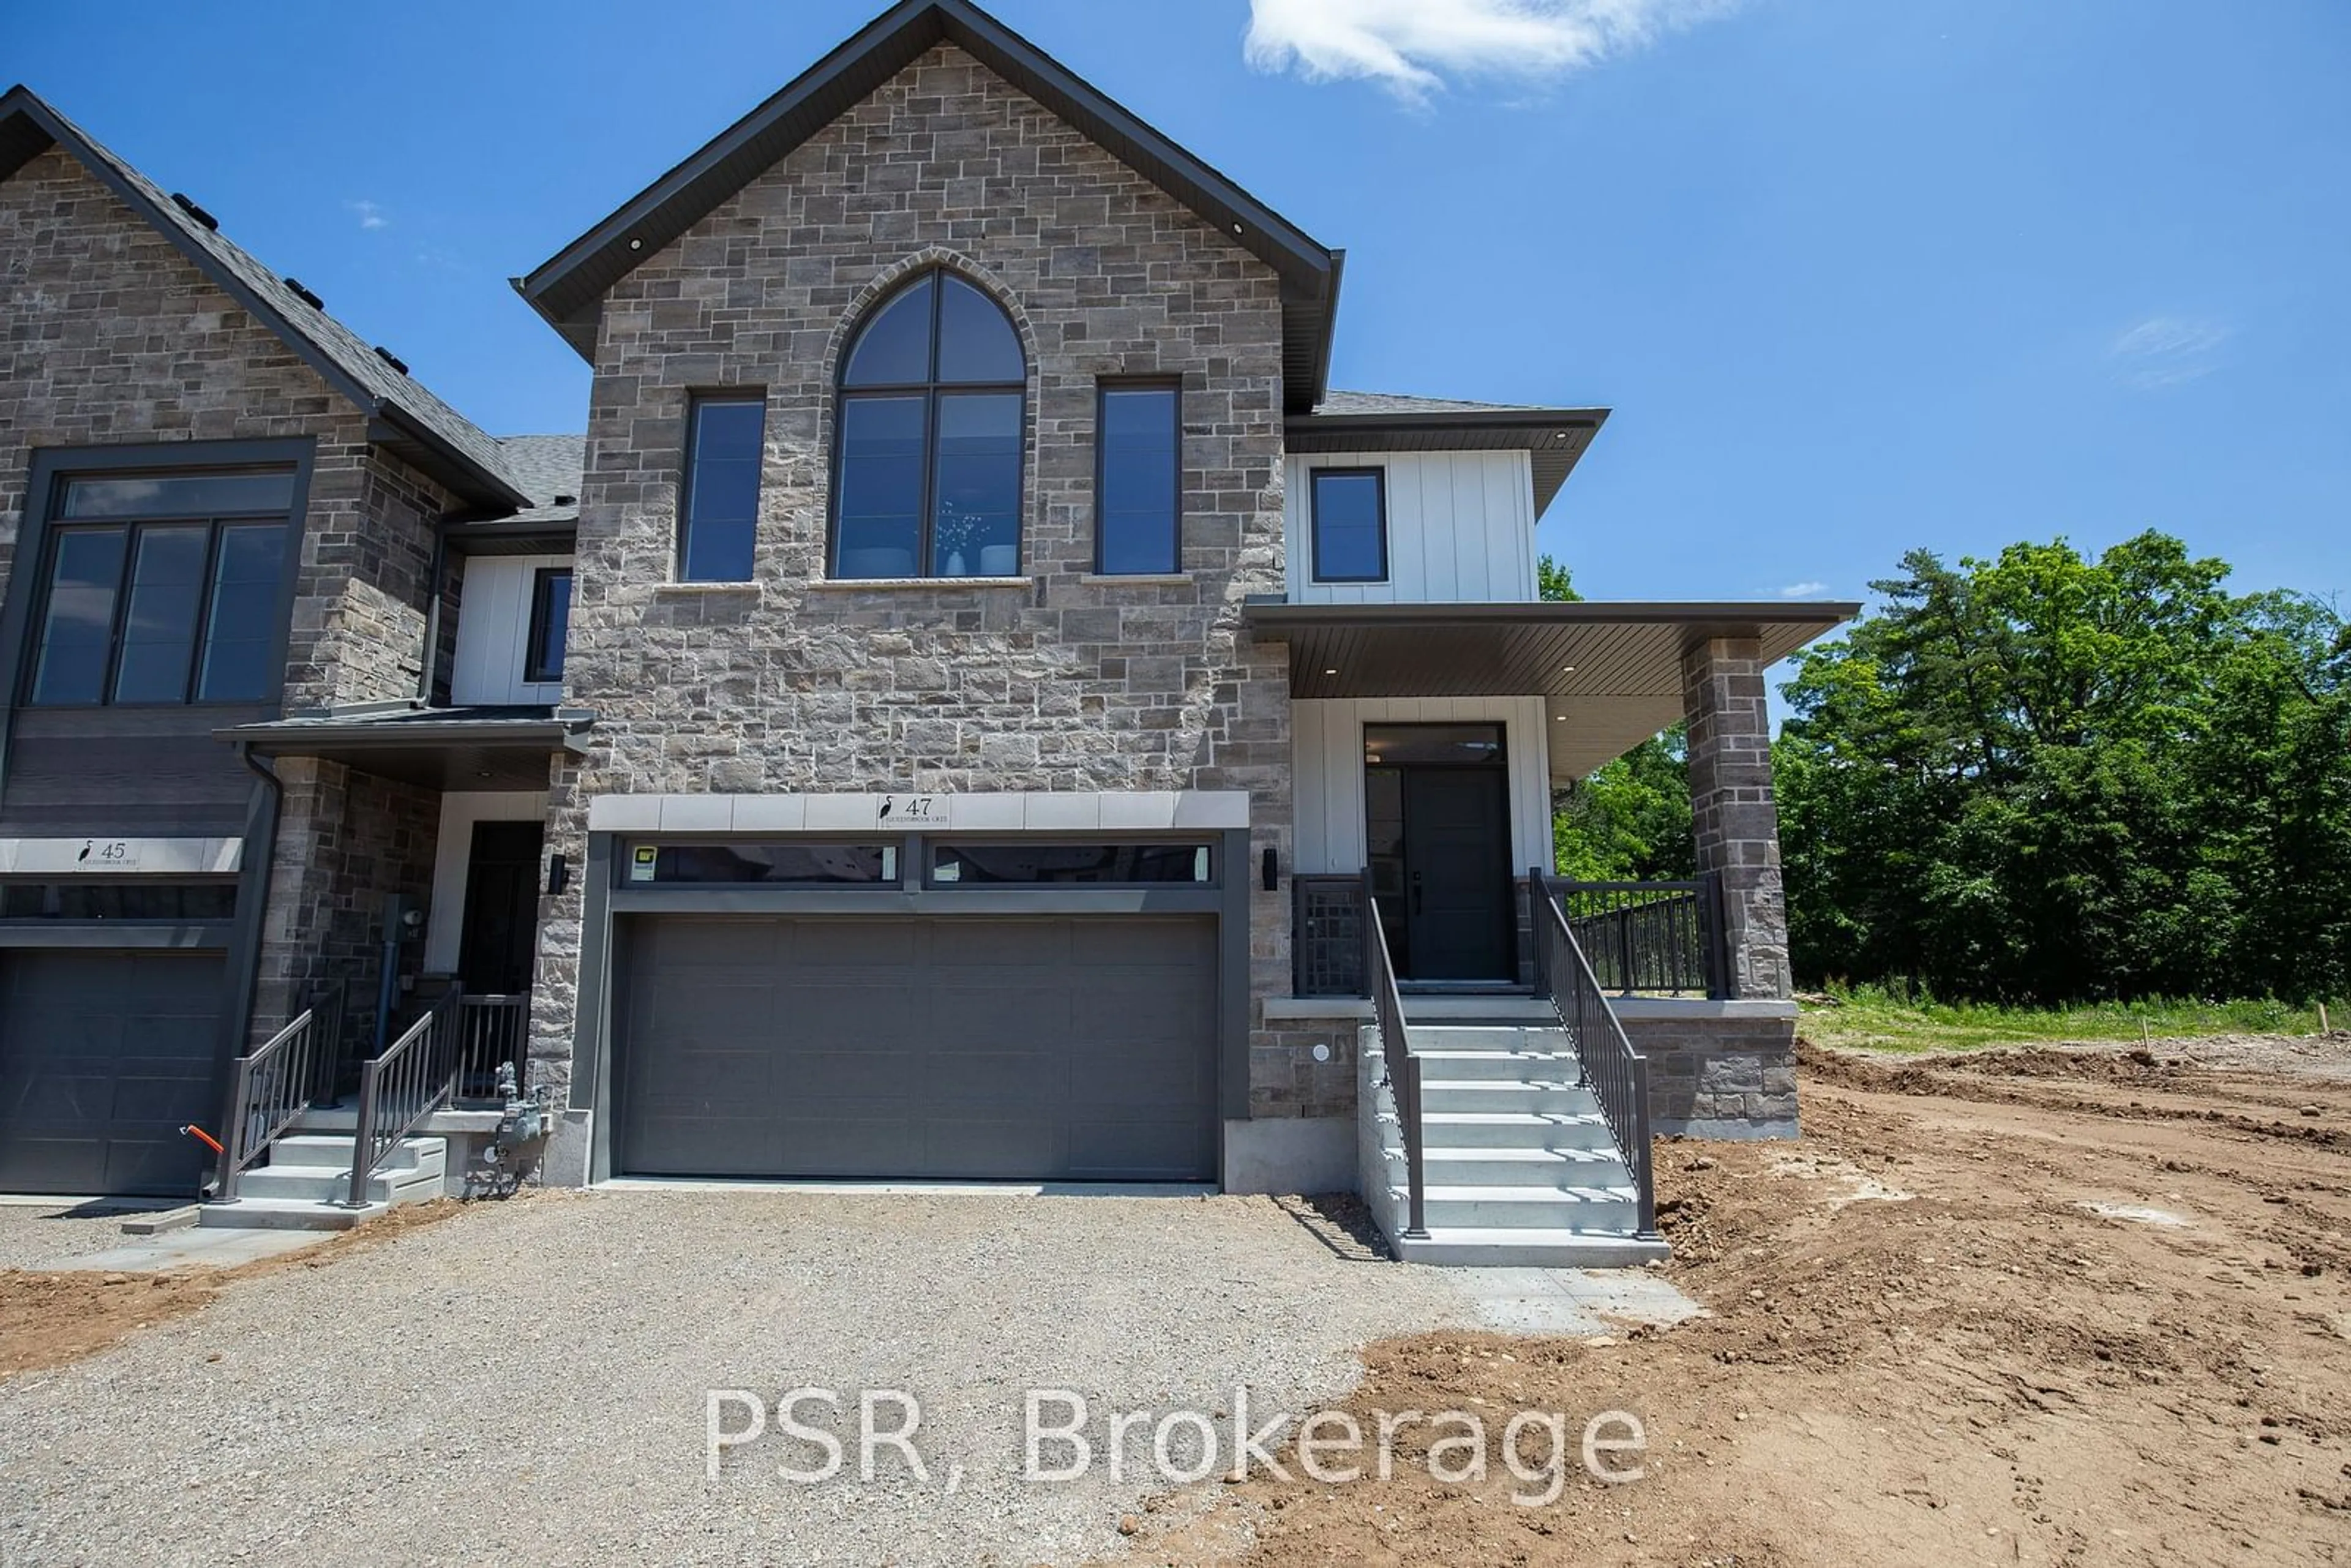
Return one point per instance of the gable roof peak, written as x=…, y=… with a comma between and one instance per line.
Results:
x=568, y=289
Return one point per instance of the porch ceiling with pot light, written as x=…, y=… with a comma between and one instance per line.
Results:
x=1610, y=674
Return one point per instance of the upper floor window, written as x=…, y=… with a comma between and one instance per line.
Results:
x=1351, y=525
x=1139, y=482
x=927, y=476
x=721, y=503
x=550, y=624
x=163, y=588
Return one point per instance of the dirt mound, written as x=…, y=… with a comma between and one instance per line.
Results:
x=2046, y=1309
x=50, y=1319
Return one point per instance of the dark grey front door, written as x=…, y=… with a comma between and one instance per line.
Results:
x=1438, y=828
x=1456, y=873
x=499, y=940
x=1027, y=1049
x=104, y=1057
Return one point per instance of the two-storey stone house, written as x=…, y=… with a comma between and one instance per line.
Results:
x=944, y=720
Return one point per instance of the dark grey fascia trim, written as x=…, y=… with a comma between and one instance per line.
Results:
x=299, y=738
x=1275, y=618
x=411, y=443
x=567, y=289
x=20, y=102
x=200, y=935
x=513, y=536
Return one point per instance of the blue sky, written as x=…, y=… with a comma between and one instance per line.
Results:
x=1855, y=276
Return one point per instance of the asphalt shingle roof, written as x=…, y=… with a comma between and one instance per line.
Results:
x=547, y=467
x=1343, y=403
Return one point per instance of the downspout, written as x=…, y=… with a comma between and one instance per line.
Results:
x=429, y=665
x=244, y=951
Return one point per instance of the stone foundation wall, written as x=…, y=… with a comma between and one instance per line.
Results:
x=1286, y=1080
x=1717, y=1075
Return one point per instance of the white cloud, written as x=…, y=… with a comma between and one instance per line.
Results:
x=2166, y=351
x=1412, y=47
x=371, y=215
x=1803, y=590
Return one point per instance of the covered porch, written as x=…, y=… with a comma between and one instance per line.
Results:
x=1427, y=739
x=407, y=884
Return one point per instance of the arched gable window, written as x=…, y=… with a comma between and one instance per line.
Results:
x=928, y=472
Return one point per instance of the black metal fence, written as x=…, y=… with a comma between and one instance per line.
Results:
x=492, y=1031
x=1648, y=935
x=1617, y=1075
x=1326, y=951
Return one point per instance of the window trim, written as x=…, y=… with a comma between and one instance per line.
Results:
x=930, y=390
x=46, y=478
x=1314, y=476
x=534, y=672
x=695, y=402
x=1103, y=387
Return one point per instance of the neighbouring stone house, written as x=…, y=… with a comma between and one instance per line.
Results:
x=973, y=704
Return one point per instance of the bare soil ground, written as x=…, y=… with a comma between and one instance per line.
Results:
x=50, y=1319
x=2039, y=1306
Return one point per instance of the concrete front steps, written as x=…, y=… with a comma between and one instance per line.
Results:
x=308, y=1176
x=1522, y=1169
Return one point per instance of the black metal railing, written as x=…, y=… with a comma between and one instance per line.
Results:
x=1648, y=935
x=413, y=1077
x=1606, y=1064
x=492, y=1031
x=1404, y=1067
x=1326, y=929
x=274, y=1084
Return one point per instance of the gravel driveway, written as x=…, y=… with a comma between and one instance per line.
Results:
x=529, y=1381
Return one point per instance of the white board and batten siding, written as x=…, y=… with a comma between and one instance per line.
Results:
x=493, y=631
x=1461, y=528
x=1326, y=746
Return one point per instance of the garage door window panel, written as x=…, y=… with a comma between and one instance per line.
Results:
x=1066, y=865
x=771, y=865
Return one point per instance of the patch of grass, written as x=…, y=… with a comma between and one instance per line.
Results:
x=1880, y=1018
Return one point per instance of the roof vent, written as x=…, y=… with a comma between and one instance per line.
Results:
x=303, y=295
x=567, y=500
x=387, y=356
x=181, y=200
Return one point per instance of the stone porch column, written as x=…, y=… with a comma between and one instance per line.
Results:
x=1732, y=816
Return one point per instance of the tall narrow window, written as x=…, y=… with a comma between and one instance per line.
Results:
x=721, y=501
x=927, y=472
x=550, y=624
x=1351, y=525
x=159, y=592
x=1139, y=482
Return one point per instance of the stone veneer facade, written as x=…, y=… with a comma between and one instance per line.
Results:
x=1057, y=680
x=1732, y=814
x=110, y=336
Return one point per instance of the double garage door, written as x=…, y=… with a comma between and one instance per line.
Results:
x=967, y=1047
x=104, y=1057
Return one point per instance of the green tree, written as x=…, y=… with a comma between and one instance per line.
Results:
x=1629, y=821
x=2042, y=777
